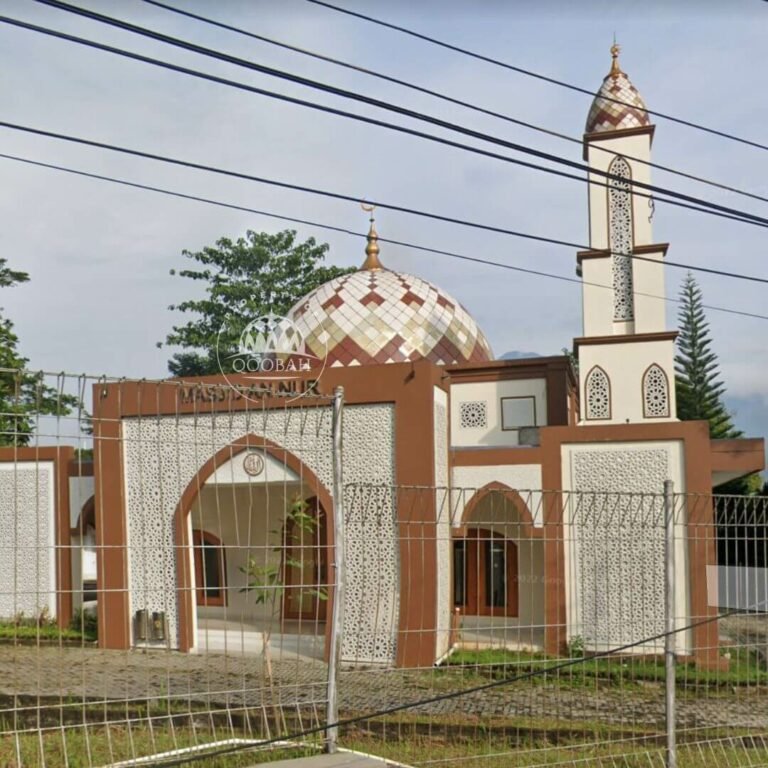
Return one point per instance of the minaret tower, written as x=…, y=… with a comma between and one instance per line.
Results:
x=626, y=355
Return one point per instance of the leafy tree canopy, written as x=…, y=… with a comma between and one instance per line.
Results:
x=23, y=395
x=244, y=279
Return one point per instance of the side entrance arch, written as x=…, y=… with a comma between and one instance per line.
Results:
x=498, y=570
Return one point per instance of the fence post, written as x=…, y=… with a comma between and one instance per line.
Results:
x=339, y=575
x=669, y=616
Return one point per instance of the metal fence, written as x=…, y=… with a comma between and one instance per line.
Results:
x=185, y=575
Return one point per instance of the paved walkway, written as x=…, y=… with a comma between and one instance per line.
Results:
x=339, y=760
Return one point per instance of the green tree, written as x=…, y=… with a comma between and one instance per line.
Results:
x=699, y=387
x=266, y=578
x=23, y=395
x=244, y=279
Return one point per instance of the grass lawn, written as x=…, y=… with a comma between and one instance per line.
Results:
x=30, y=630
x=99, y=746
x=745, y=669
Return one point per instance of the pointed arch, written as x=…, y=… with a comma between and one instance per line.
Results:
x=597, y=395
x=488, y=551
x=185, y=596
x=526, y=525
x=621, y=238
x=655, y=393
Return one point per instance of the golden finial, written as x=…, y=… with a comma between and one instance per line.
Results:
x=372, y=247
x=615, y=50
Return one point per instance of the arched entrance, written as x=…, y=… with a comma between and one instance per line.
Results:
x=498, y=571
x=254, y=567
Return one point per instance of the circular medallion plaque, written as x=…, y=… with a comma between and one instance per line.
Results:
x=253, y=464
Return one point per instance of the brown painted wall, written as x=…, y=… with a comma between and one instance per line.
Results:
x=701, y=530
x=409, y=386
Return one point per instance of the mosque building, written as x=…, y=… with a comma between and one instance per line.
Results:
x=466, y=472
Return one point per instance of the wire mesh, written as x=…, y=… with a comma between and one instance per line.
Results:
x=163, y=579
x=552, y=651
x=167, y=580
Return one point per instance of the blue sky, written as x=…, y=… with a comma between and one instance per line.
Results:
x=99, y=256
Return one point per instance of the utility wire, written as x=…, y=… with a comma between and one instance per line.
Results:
x=447, y=98
x=352, y=233
x=537, y=75
x=530, y=675
x=186, y=45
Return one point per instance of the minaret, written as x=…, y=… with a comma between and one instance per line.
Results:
x=626, y=356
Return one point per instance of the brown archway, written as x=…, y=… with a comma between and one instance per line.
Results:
x=185, y=597
x=526, y=526
x=486, y=560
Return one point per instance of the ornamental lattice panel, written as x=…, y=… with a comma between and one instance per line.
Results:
x=620, y=227
x=473, y=414
x=597, y=392
x=655, y=393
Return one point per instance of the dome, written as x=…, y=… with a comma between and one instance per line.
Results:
x=618, y=104
x=376, y=315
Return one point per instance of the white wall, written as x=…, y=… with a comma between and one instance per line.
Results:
x=27, y=538
x=248, y=521
x=490, y=393
x=626, y=364
x=161, y=457
x=80, y=490
x=443, y=605
x=628, y=146
x=233, y=472
x=648, y=278
x=614, y=541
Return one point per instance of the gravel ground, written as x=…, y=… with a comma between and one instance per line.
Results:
x=50, y=675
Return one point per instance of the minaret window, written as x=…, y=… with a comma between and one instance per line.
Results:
x=655, y=393
x=597, y=394
x=621, y=238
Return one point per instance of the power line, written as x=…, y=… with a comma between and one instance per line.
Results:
x=343, y=230
x=446, y=97
x=712, y=208
x=351, y=198
x=531, y=73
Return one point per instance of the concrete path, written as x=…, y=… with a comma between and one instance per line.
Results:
x=341, y=759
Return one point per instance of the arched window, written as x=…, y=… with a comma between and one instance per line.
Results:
x=597, y=393
x=621, y=238
x=655, y=393
x=210, y=568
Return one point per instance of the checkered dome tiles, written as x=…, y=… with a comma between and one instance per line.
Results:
x=608, y=115
x=381, y=316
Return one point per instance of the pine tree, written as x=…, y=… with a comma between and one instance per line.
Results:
x=697, y=374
